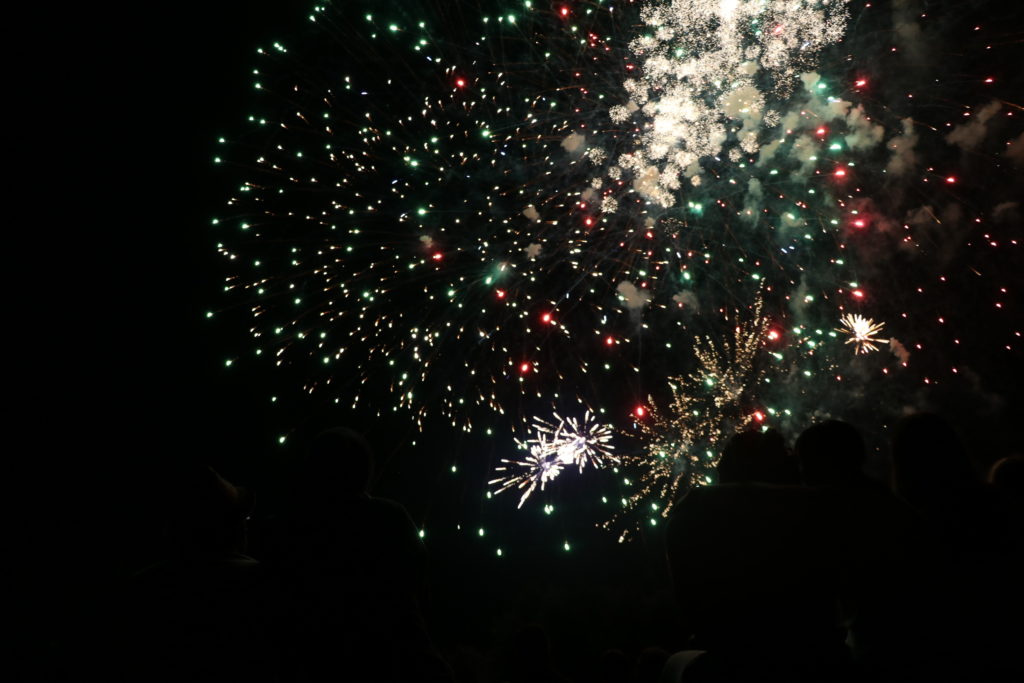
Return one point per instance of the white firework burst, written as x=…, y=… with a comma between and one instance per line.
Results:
x=581, y=442
x=555, y=444
x=862, y=332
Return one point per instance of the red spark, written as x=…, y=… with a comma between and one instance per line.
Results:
x=437, y=256
x=639, y=411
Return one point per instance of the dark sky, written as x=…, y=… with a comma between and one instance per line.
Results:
x=115, y=372
x=141, y=264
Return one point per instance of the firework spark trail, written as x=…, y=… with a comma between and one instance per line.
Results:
x=682, y=444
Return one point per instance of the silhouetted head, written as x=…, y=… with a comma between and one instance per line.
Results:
x=1007, y=475
x=206, y=513
x=339, y=461
x=756, y=456
x=831, y=454
x=649, y=665
x=928, y=459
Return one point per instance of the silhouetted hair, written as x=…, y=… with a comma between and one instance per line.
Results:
x=338, y=460
x=755, y=456
x=830, y=453
x=204, y=511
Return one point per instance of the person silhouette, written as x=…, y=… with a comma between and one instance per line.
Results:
x=757, y=457
x=883, y=552
x=754, y=572
x=353, y=569
x=202, y=613
x=933, y=472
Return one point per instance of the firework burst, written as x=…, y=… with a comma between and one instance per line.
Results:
x=556, y=444
x=534, y=471
x=582, y=441
x=862, y=331
x=683, y=442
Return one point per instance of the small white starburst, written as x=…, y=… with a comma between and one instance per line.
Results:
x=862, y=332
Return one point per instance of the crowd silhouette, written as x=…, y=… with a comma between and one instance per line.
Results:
x=794, y=566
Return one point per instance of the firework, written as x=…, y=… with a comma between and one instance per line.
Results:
x=535, y=470
x=556, y=444
x=683, y=442
x=580, y=442
x=863, y=332
x=708, y=69
x=464, y=258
